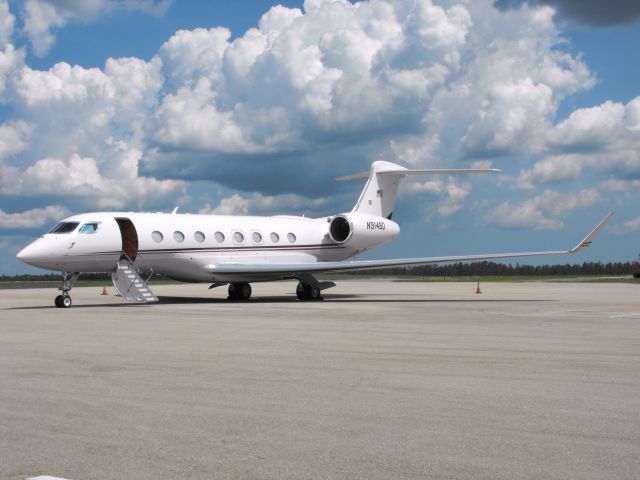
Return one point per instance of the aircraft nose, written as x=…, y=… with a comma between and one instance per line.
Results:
x=30, y=254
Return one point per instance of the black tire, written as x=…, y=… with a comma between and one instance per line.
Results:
x=244, y=291
x=58, y=301
x=314, y=293
x=233, y=291
x=300, y=291
x=307, y=292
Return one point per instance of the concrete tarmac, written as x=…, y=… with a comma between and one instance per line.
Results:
x=380, y=381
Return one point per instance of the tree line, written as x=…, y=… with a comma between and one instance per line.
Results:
x=479, y=269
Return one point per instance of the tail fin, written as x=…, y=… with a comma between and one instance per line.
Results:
x=379, y=194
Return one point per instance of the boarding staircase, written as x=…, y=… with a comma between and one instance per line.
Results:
x=130, y=284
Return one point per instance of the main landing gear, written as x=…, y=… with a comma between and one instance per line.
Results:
x=304, y=291
x=309, y=288
x=239, y=291
x=64, y=300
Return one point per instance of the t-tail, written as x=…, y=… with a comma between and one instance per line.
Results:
x=379, y=194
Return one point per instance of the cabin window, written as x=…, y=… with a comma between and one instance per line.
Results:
x=178, y=236
x=256, y=237
x=291, y=237
x=199, y=236
x=65, y=227
x=157, y=236
x=275, y=238
x=238, y=237
x=219, y=236
x=89, y=227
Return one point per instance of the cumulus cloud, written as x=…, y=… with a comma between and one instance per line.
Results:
x=307, y=94
x=451, y=193
x=35, y=218
x=257, y=203
x=632, y=225
x=7, y=20
x=43, y=16
x=604, y=138
x=597, y=13
x=542, y=212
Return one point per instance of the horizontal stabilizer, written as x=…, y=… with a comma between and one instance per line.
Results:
x=405, y=173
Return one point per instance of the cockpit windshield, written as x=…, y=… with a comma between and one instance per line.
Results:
x=91, y=227
x=65, y=227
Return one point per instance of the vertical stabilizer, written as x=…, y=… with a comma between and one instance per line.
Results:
x=379, y=194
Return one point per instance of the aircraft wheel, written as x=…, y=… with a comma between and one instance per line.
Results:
x=63, y=301
x=239, y=291
x=308, y=292
x=245, y=291
x=300, y=291
x=314, y=293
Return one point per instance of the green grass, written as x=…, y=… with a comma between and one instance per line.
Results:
x=79, y=283
x=338, y=277
x=492, y=279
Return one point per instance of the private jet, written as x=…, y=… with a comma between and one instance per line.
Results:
x=239, y=250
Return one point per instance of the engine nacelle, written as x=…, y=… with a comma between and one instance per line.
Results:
x=360, y=230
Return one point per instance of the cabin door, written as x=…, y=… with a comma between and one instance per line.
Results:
x=129, y=238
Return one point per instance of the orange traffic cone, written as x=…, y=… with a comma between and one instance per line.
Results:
x=105, y=291
x=478, y=288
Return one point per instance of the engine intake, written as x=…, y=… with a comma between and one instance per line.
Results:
x=340, y=229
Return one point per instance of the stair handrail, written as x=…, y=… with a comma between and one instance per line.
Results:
x=138, y=256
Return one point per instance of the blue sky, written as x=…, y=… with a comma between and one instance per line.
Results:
x=249, y=107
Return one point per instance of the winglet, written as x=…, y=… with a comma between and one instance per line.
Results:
x=594, y=233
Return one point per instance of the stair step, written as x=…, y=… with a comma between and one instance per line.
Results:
x=129, y=284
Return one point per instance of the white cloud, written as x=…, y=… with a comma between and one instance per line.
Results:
x=632, y=225
x=233, y=205
x=603, y=138
x=325, y=89
x=451, y=193
x=34, y=218
x=42, y=16
x=14, y=137
x=542, y=212
x=7, y=21
x=258, y=203
x=11, y=59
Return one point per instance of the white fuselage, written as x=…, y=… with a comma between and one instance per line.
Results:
x=187, y=247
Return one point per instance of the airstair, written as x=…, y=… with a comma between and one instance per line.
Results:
x=130, y=285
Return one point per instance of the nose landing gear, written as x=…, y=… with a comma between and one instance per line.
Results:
x=64, y=300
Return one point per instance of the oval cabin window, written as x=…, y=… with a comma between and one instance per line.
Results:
x=178, y=236
x=219, y=236
x=157, y=236
x=275, y=238
x=256, y=237
x=199, y=236
x=238, y=237
x=291, y=237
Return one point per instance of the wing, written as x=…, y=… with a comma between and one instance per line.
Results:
x=292, y=270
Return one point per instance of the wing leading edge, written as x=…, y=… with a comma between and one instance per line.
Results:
x=290, y=270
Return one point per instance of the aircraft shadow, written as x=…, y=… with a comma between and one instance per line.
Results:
x=334, y=298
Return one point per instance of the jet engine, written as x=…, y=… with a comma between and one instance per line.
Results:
x=361, y=231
